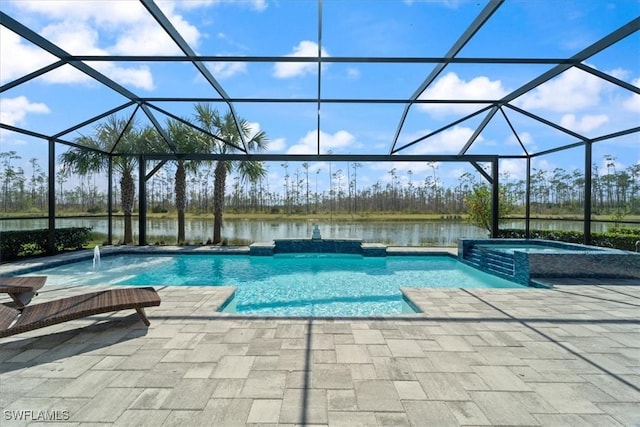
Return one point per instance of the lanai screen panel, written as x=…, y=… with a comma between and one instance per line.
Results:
x=373, y=71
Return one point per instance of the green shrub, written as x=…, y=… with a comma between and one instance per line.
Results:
x=25, y=243
x=159, y=209
x=626, y=231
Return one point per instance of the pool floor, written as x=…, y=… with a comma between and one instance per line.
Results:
x=288, y=285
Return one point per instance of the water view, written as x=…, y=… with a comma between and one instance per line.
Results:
x=398, y=233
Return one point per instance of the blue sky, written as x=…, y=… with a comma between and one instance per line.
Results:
x=375, y=28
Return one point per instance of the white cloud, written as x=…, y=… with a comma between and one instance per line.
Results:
x=633, y=102
x=541, y=164
x=277, y=145
x=17, y=58
x=517, y=169
x=571, y=91
x=82, y=38
x=318, y=166
x=67, y=75
x=353, y=73
x=74, y=37
x=619, y=73
x=139, y=77
x=148, y=38
x=309, y=143
x=132, y=27
x=585, y=124
x=456, y=172
x=254, y=129
x=224, y=70
x=97, y=28
x=103, y=12
x=607, y=166
x=525, y=138
x=257, y=5
x=449, y=141
x=128, y=16
x=133, y=33
x=232, y=42
x=13, y=111
x=450, y=86
x=285, y=70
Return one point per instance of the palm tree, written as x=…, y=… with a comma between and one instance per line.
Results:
x=185, y=141
x=226, y=129
x=122, y=137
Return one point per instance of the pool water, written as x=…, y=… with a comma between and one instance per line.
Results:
x=288, y=285
x=534, y=248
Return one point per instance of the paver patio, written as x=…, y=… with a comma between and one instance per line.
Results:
x=563, y=356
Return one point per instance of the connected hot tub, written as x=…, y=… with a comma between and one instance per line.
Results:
x=524, y=260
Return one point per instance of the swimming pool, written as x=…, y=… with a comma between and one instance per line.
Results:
x=288, y=285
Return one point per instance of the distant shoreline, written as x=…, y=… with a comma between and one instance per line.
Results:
x=360, y=217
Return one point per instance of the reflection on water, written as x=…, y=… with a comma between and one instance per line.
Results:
x=428, y=233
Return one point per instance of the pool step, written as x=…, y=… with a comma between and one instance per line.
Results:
x=495, y=262
x=500, y=260
x=500, y=263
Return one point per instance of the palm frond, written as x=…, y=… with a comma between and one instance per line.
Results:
x=251, y=170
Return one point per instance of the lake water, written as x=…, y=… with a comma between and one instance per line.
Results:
x=405, y=233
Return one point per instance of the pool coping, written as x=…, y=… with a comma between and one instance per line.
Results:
x=33, y=264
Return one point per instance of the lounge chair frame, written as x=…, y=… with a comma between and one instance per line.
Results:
x=14, y=321
x=22, y=288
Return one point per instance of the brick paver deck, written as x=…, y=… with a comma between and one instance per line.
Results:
x=563, y=356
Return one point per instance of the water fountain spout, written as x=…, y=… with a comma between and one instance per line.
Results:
x=316, y=233
x=96, y=257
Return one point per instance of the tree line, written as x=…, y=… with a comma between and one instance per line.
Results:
x=201, y=187
x=552, y=192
